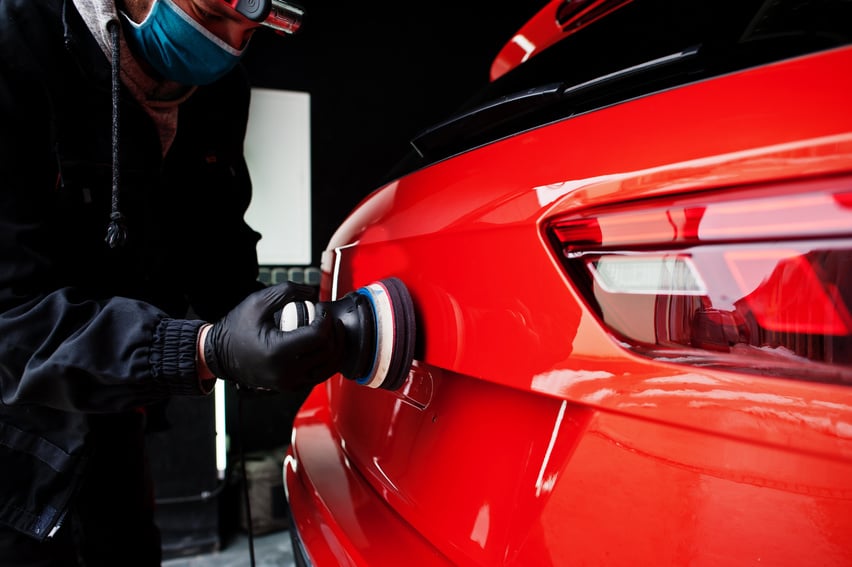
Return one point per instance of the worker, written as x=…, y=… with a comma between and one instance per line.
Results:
x=127, y=273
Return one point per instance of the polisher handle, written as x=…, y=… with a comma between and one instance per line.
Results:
x=297, y=314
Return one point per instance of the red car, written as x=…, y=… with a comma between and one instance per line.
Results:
x=631, y=263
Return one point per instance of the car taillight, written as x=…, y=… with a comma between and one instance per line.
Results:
x=757, y=280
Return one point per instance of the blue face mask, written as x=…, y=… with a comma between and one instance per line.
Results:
x=179, y=48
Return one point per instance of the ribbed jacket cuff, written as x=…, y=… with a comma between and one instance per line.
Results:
x=173, y=356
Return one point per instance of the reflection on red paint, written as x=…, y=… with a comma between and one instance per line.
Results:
x=792, y=299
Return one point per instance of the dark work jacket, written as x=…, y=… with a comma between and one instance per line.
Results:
x=85, y=329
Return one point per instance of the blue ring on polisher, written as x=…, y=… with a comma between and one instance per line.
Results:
x=365, y=292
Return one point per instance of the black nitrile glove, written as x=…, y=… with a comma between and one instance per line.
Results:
x=246, y=345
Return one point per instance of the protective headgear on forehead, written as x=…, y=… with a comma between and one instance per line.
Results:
x=276, y=14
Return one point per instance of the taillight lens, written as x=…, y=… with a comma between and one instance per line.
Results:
x=758, y=280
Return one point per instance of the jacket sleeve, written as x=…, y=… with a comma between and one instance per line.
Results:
x=77, y=354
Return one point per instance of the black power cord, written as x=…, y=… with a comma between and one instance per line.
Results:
x=249, y=521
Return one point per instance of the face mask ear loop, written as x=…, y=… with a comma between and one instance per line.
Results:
x=117, y=229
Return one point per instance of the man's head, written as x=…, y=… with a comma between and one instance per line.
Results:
x=215, y=15
x=197, y=41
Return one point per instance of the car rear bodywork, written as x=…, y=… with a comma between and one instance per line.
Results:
x=539, y=424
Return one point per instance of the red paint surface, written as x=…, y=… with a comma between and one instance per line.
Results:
x=527, y=435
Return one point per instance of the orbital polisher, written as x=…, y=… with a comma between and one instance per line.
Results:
x=379, y=331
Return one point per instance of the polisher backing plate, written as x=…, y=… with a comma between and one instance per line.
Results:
x=395, y=333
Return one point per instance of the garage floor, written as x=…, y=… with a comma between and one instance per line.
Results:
x=270, y=550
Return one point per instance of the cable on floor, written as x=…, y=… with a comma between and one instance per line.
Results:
x=249, y=521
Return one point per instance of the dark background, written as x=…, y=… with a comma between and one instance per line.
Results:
x=377, y=74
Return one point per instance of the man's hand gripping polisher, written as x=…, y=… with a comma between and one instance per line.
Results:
x=379, y=331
